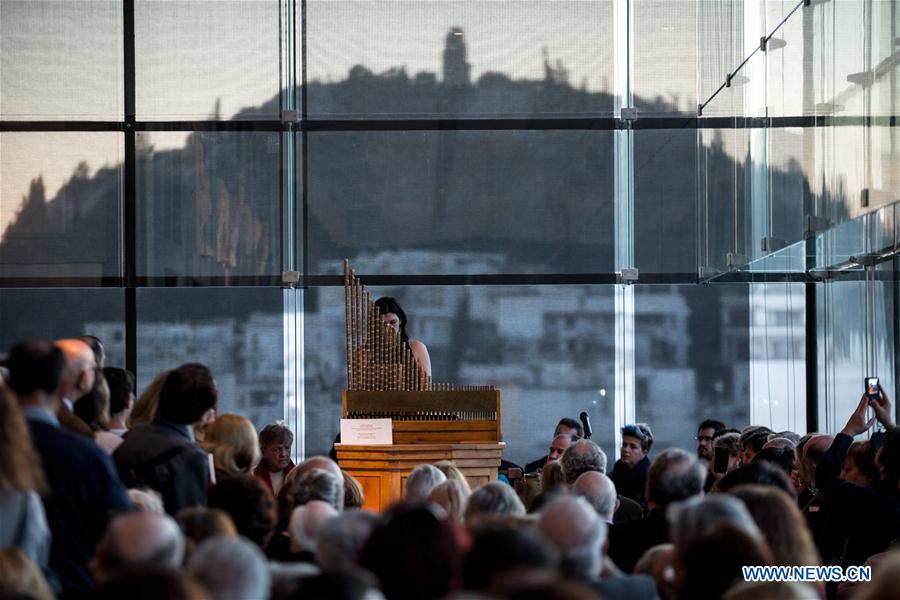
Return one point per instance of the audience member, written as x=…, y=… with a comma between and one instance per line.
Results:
x=630, y=471
x=145, y=584
x=885, y=579
x=492, y=499
x=761, y=472
x=451, y=471
x=415, y=554
x=275, y=442
x=145, y=407
x=752, y=439
x=138, y=541
x=23, y=523
x=553, y=478
x=230, y=569
x=600, y=493
x=350, y=584
x=421, y=481
x=96, y=347
x=93, y=409
x=781, y=522
x=314, y=484
x=659, y=563
x=232, y=441
x=304, y=528
x=705, y=433
x=20, y=577
x=249, y=504
x=163, y=454
x=199, y=524
x=452, y=497
x=772, y=590
x=566, y=426
x=354, y=495
x=875, y=509
x=502, y=552
x=84, y=488
x=121, y=398
x=581, y=457
x=340, y=539
x=79, y=373
x=859, y=465
x=146, y=500
x=575, y=530
x=674, y=475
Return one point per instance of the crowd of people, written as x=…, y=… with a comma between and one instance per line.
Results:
x=108, y=495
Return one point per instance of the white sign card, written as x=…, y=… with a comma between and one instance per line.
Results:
x=366, y=432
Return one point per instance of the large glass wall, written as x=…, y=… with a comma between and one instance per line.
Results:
x=167, y=169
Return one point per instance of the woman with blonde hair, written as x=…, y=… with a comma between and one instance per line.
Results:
x=144, y=409
x=23, y=522
x=233, y=443
x=449, y=468
x=451, y=496
x=21, y=578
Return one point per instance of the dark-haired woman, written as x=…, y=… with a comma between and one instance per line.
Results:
x=392, y=315
x=630, y=471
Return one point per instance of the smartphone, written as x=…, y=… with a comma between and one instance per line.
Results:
x=720, y=460
x=873, y=389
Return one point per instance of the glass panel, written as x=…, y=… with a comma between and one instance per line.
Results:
x=53, y=314
x=778, y=356
x=60, y=199
x=691, y=357
x=846, y=337
x=462, y=202
x=665, y=193
x=209, y=204
x=720, y=47
x=207, y=59
x=665, y=56
x=367, y=58
x=237, y=332
x=788, y=197
x=61, y=60
x=550, y=350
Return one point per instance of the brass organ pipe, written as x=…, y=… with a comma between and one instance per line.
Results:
x=347, y=321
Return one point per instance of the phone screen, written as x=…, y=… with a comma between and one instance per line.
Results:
x=872, y=387
x=720, y=460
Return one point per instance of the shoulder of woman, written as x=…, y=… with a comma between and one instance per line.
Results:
x=416, y=344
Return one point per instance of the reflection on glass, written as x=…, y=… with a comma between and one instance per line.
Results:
x=237, y=333
x=51, y=314
x=665, y=193
x=207, y=59
x=665, y=55
x=60, y=198
x=472, y=58
x=472, y=202
x=777, y=356
x=550, y=350
x=61, y=60
x=691, y=359
x=211, y=207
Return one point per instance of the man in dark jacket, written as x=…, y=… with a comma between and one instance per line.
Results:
x=674, y=475
x=84, y=488
x=163, y=454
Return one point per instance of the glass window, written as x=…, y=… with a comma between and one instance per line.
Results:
x=665, y=56
x=55, y=313
x=462, y=202
x=60, y=205
x=691, y=359
x=61, y=60
x=386, y=59
x=665, y=199
x=208, y=204
x=550, y=350
x=237, y=332
x=209, y=59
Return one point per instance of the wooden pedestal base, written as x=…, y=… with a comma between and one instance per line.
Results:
x=382, y=470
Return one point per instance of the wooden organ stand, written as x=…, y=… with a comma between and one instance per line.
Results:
x=430, y=421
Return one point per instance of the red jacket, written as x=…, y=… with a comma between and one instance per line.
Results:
x=262, y=471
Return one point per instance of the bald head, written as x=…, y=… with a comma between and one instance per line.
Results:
x=305, y=523
x=318, y=462
x=79, y=374
x=599, y=491
x=139, y=540
x=575, y=529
